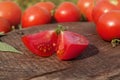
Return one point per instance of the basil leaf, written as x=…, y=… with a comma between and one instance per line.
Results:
x=8, y=48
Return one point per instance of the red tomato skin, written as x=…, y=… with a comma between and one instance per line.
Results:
x=47, y=5
x=10, y=11
x=67, y=12
x=4, y=25
x=86, y=7
x=102, y=7
x=71, y=46
x=42, y=44
x=108, y=26
x=35, y=16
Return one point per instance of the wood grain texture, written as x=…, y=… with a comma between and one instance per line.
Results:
x=98, y=62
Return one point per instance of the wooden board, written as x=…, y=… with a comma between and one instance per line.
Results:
x=98, y=62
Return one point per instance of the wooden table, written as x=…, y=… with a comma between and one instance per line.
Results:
x=98, y=62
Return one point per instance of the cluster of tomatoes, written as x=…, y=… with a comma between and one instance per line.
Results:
x=37, y=14
x=105, y=14
x=45, y=12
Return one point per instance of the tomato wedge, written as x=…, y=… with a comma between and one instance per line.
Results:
x=42, y=43
x=70, y=45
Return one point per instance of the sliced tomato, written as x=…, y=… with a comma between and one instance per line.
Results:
x=70, y=45
x=42, y=43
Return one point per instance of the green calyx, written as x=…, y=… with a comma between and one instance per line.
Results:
x=115, y=42
x=59, y=29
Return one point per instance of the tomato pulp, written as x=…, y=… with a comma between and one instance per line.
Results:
x=42, y=43
x=70, y=45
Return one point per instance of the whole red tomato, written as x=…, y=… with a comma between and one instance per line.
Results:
x=47, y=5
x=4, y=25
x=67, y=12
x=86, y=7
x=10, y=11
x=35, y=15
x=104, y=6
x=108, y=26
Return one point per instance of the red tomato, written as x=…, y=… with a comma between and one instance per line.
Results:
x=42, y=44
x=47, y=5
x=104, y=6
x=70, y=45
x=86, y=7
x=35, y=16
x=67, y=12
x=4, y=25
x=108, y=26
x=10, y=11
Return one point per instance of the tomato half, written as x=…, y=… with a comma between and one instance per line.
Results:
x=108, y=26
x=67, y=12
x=70, y=45
x=42, y=43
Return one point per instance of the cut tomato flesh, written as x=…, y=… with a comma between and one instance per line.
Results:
x=42, y=44
x=71, y=45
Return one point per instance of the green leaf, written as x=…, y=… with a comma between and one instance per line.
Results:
x=8, y=48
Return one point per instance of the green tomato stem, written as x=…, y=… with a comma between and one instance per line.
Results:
x=59, y=29
x=115, y=42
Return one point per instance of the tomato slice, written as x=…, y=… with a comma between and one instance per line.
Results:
x=42, y=43
x=70, y=45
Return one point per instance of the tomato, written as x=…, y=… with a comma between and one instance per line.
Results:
x=86, y=7
x=70, y=45
x=4, y=25
x=67, y=12
x=47, y=5
x=42, y=43
x=104, y=6
x=108, y=26
x=10, y=11
x=35, y=15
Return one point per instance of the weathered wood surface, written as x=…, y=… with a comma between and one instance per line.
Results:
x=98, y=62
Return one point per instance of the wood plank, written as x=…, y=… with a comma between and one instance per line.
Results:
x=98, y=62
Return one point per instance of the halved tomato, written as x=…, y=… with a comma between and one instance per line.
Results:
x=42, y=43
x=66, y=44
x=70, y=45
